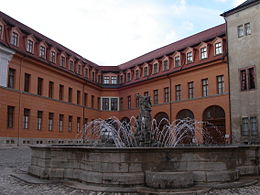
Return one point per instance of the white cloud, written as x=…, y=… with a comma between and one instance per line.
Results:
x=109, y=32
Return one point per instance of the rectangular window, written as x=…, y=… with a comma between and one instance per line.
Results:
x=245, y=126
x=93, y=76
x=10, y=116
x=247, y=29
x=1, y=31
x=92, y=101
x=165, y=65
x=121, y=103
x=146, y=93
x=50, y=121
x=70, y=123
x=129, y=76
x=166, y=94
x=40, y=86
x=191, y=90
x=114, y=80
x=29, y=47
x=60, y=125
x=61, y=92
x=78, y=124
x=14, y=39
x=247, y=79
x=70, y=95
x=85, y=100
x=27, y=81
x=79, y=69
x=42, y=52
x=177, y=61
x=189, y=57
x=129, y=102
x=105, y=103
x=205, y=85
x=220, y=84
x=78, y=97
x=121, y=79
x=145, y=71
x=51, y=88
x=11, y=78
x=155, y=68
x=71, y=65
x=203, y=53
x=155, y=96
x=137, y=100
x=98, y=103
x=253, y=126
x=114, y=104
x=26, y=116
x=240, y=31
x=137, y=74
x=62, y=63
x=178, y=92
x=53, y=56
x=106, y=80
x=218, y=48
x=39, y=120
x=251, y=78
x=86, y=73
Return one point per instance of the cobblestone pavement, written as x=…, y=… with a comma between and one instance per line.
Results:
x=14, y=160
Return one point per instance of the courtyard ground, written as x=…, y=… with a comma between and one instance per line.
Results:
x=16, y=160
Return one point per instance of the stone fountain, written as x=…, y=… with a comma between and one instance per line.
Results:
x=141, y=154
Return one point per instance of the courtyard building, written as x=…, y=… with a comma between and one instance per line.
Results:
x=48, y=92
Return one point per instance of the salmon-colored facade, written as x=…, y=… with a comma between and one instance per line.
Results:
x=49, y=92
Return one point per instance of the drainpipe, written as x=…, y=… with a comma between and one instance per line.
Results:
x=20, y=96
x=170, y=93
x=230, y=125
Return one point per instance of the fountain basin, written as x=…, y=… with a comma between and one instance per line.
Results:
x=131, y=166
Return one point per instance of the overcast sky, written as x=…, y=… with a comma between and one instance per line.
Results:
x=111, y=32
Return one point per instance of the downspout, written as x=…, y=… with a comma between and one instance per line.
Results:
x=229, y=95
x=20, y=96
x=170, y=94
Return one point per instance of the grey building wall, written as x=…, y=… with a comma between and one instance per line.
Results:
x=244, y=52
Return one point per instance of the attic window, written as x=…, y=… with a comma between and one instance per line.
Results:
x=128, y=76
x=14, y=39
x=53, y=56
x=146, y=71
x=155, y=68
x=71, y=65
x=203, y=53
x=42, y=51
x=114, y=80
x=29, y=47
x=137, y=74
x=189, y=57
x=165, y=65
x=1, y=31
x=177, y=61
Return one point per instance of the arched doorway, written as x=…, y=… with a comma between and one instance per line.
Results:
x=187, y=130
x=159, y=119
x=214, y=125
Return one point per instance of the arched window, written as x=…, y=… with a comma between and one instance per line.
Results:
x=214, y=126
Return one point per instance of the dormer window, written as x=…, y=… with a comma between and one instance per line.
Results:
x=218, y=48
x=63, y=61
x=106, y=80
x=203, y=53
x=137, y=74
x=145, y=71
x=93, y=76
x=53, y=56
x=42, y=51
x=177, y=61
x=155, y=68
x=114, y=80
x=189, y=57
x=165, y=65
x=79, y=69
x=86, y=73
x=1, y=31
x=29, y=47
x=14, y=39
x=71, y=65
x=128, y=76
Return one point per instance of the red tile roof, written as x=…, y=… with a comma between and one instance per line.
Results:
x=176, y=46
